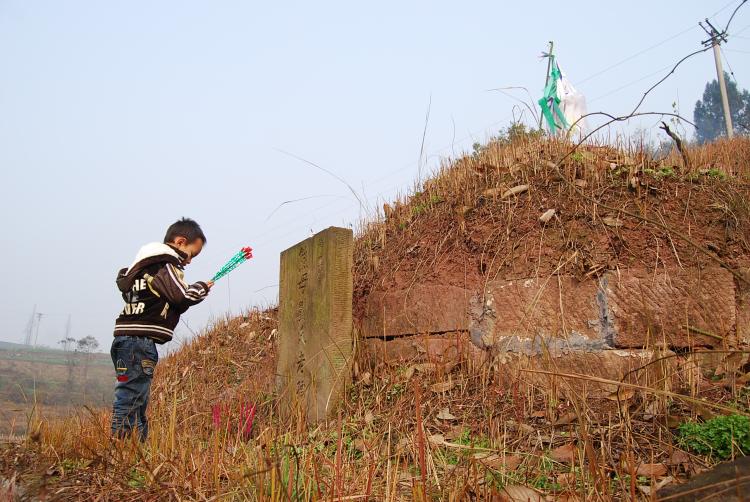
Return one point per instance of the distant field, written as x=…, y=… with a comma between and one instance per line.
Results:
x=50, y=381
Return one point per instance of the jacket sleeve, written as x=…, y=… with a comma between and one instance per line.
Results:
x=169, y=283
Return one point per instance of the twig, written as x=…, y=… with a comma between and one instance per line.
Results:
x=701, y=332
x=678, y=143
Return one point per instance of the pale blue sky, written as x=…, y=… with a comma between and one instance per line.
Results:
x=116, y=118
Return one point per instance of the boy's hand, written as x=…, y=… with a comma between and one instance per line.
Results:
x=210, y=284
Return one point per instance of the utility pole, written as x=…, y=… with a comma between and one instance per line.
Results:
x=716, y=38
x=548, y=55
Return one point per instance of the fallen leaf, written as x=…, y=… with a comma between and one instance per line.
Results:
x=539, y=414
x=581, y=183
x=622, y=394
x=548, y=214
x=521, y=427
x=444, y=414
x=244, y=324
x=565, y=454
x=566, y=419
x=498, y=462
x=651, y=470
x=612, y=222
x=442, y=386
x=360, y=445
x=678, y=457
x=516, y=190
x=518, y=493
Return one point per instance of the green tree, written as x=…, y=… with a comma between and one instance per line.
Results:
x=709, y=114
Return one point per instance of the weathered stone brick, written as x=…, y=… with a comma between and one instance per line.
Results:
x=448, y=348
x=671, y=307
x=556, y=306
x=417, y=310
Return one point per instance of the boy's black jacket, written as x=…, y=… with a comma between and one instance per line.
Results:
x=155, y=293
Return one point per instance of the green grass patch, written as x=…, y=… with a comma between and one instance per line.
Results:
x=721, y=437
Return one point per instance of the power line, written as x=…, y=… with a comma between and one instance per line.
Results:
x=731, y=71
x=648, y=49
x=629, y=58
x=614, y=91
x=733, y=14
x=268, y=237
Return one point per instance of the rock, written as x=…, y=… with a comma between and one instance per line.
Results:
x=612, y=222
x=516, y=190
x=444, y=414
x=548, y=214
x=727, y=482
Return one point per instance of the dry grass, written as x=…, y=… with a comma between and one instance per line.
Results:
x=468, y=430
x=575, y=440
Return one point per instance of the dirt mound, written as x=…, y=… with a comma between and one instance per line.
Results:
x=446, y=429
x=216, y=375
x=478, y=220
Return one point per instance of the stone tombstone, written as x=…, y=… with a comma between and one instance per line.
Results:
x=316, y=340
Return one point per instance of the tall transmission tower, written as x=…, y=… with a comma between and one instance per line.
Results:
x=38, y=322
x=28, y=333
x=67, y=327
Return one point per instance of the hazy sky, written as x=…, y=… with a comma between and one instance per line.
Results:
x=116, y=118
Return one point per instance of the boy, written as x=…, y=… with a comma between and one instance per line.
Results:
x=155, y=295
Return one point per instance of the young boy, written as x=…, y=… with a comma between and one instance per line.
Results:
x=155, y=295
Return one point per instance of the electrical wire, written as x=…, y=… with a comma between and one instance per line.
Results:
x=658, y=44
x=733, y=14
x=269, y=237
x=726, y=60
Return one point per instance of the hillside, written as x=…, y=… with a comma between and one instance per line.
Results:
x=429, y=429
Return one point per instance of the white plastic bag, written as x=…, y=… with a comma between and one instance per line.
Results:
x=572, y=104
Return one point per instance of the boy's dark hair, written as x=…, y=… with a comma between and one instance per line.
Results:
x=186, y=228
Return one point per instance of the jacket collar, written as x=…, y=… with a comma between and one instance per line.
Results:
x=150, y=254
x=156, y=249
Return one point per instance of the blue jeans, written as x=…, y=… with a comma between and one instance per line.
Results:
x=135, y=359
